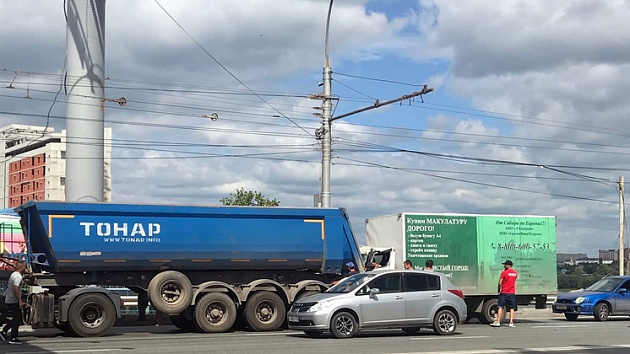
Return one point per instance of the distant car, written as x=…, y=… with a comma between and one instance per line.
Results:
x=608, y=297
x=379, y=299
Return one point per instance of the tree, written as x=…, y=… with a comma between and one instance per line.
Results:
x=248, y=198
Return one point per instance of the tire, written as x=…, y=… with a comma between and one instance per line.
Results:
x=445, y=322
x=170, y=292
x=91, y=315
x=601, y=312
x=313, y=334
x=265, y=311
x=489, y=311
x=65, y=327
x=183, y=323
x=411, y=330
x=571, y=316
x=215, y=313
x=343, y=325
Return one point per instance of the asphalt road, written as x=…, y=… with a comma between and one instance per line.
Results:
x=537, y=331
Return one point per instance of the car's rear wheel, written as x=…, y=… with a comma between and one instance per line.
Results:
x=343, y=325
x=445, y=322
x=601, y=311
x=571, y=316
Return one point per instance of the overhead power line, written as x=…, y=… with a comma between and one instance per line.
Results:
x=225, y=68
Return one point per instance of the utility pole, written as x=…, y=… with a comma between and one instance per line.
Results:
x=327, y=119
x=622, y=218
x=326, y=115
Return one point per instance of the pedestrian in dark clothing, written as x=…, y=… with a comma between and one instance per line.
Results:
x=13, y=302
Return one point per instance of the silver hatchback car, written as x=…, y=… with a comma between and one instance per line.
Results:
x=405, y=299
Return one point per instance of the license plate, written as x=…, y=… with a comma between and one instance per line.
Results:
x=294, y=319
x=561, y=307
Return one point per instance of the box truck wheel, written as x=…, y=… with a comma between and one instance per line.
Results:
x=91, y=315
x=170, y=292
x=489, y=311
x=215, y=313
x=265, y=311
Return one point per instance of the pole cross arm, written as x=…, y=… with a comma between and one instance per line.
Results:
x=378, y=104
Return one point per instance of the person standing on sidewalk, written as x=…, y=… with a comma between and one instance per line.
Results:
x=428, y=265
x=13, y=304
x=407, y=265
x=507, y=293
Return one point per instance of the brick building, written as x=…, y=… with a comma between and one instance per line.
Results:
x=34, y=165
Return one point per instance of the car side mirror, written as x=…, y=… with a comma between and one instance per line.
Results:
x=373, y=292
x=623, y=290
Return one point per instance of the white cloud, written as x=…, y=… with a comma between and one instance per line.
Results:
x=535, y=82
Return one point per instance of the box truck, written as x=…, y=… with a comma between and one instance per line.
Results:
x=470, y=249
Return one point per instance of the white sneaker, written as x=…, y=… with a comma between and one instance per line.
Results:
x=511, y=325
x=495, y=324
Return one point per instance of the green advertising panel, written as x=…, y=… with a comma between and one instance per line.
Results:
x=471, y=249
x=529, y=242
x=450, y=241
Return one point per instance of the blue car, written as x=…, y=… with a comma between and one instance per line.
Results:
x=608, y=297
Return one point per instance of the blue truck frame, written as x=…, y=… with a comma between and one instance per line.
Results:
x=204, y=266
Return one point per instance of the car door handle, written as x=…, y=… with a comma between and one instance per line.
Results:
x=398, y=297
x=435, y=295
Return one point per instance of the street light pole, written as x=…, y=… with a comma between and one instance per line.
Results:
x=326, y=115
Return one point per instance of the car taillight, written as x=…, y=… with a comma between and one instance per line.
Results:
x=457, y=292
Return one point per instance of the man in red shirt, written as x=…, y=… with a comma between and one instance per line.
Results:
x=507, y=293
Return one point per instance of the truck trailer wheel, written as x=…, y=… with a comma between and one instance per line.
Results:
x=215, y=313
x=489, y=311
x=91, y=315
x=170, y=292
x=265, y=311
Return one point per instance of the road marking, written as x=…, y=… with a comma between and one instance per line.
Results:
x=270, y=334
x=68, y=351
x=571, y=349
x=480, y=351
x=559, y=326
x=449, y=337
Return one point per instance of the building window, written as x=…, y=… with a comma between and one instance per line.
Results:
x=62, y=180
x=63, y=155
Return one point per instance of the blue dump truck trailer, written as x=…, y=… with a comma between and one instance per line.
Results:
x=208, y=268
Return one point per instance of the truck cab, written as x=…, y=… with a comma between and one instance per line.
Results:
x=383, y=256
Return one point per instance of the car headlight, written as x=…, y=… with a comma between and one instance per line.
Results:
x=581, y=299
x=320, y=306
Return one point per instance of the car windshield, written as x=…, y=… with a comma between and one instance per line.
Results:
x=606, y=284
x=350, y=283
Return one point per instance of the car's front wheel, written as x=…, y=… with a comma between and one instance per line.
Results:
x=445, y=322
x=343, y=325
x=571, y=316
x=601, y=311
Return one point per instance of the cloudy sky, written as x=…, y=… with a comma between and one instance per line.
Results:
x=529, y=114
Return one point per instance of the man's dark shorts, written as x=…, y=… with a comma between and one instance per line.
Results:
x=507, y=300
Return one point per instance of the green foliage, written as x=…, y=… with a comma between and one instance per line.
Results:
x=248, y=198
x=582, y=276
